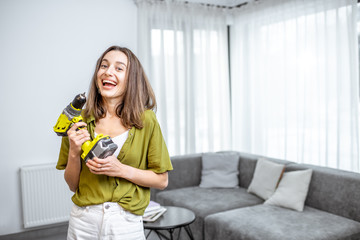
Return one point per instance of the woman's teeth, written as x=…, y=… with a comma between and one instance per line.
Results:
x=108, y=83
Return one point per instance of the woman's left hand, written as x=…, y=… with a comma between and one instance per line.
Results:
x=109, y=166
x=112, y=167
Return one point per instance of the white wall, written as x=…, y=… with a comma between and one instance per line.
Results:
x=48, y=50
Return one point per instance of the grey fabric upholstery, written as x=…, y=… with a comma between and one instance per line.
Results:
x=274, y=223
x=332, y=206
x=333, y=190
x=220, y=170
x=247, y=166
x=205, y=201
x=186, y=173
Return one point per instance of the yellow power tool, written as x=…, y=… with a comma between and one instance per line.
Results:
x=102, y=146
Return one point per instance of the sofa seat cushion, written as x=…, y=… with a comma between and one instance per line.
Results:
x=273, y=223
x=205, y=201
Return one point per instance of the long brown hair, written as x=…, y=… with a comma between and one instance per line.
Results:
x=138, y=94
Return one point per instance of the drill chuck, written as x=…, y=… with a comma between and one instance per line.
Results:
x=70, y=115
x=79, y=101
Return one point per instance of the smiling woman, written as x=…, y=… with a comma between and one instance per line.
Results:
x=118, y=65
x=111, y=75
x=111, y=194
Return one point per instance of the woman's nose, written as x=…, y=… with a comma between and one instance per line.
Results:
x=109, y=71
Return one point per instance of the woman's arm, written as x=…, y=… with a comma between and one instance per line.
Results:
x=111, y=166
x=73, y=167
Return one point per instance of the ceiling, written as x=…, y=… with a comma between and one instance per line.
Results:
x=227, y=3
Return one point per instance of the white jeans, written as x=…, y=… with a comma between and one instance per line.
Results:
x=107, y=221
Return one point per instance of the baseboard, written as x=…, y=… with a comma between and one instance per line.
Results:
x=38, y=233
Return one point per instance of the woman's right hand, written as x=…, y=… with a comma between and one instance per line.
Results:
x=77, y=134
x=76, y=139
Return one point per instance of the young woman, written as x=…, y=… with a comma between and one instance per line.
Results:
x=111, y=194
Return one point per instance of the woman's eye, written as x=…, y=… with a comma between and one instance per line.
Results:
x=103, y=66
x=119, y=69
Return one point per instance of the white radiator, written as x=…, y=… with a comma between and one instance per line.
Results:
x=46, y=198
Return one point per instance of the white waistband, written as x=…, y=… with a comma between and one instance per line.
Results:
x=106, y=206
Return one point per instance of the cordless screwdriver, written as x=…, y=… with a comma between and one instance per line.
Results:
x=101, y=146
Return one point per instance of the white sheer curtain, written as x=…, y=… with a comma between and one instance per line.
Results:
x=183, y=48
x=295, y=83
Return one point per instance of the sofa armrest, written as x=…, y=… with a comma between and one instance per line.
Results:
x=186, y=172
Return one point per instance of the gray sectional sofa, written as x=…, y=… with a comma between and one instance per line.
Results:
x=332, y=206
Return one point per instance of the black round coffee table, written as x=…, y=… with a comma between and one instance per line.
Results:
x=173, y=218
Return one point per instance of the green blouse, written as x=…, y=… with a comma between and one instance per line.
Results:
x=143, y=149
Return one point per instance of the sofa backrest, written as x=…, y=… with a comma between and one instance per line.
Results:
x=247, y=164
x=187, y=171
x=333, y=190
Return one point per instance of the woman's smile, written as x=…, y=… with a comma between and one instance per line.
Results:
x=111, y=76
x=109, y=84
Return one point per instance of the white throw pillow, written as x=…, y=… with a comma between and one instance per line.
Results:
x=220, y=170
x=266, y=178
x=292, y=190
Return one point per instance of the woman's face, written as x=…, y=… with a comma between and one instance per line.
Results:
x=111, y=77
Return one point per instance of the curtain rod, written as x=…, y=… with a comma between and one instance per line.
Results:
x=228, y=7
x=220, y=6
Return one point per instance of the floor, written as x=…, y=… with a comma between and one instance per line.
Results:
x=54, y=237
x=52, y=233
x=63, y=237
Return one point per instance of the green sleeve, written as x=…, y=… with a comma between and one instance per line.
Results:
x=63, y=155
x=158, y=155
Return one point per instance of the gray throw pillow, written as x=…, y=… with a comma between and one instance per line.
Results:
x=220, y=170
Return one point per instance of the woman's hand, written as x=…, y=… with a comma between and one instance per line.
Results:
x=109, y=166
x=77, y=134
x=76, y=138
x=112, y=167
